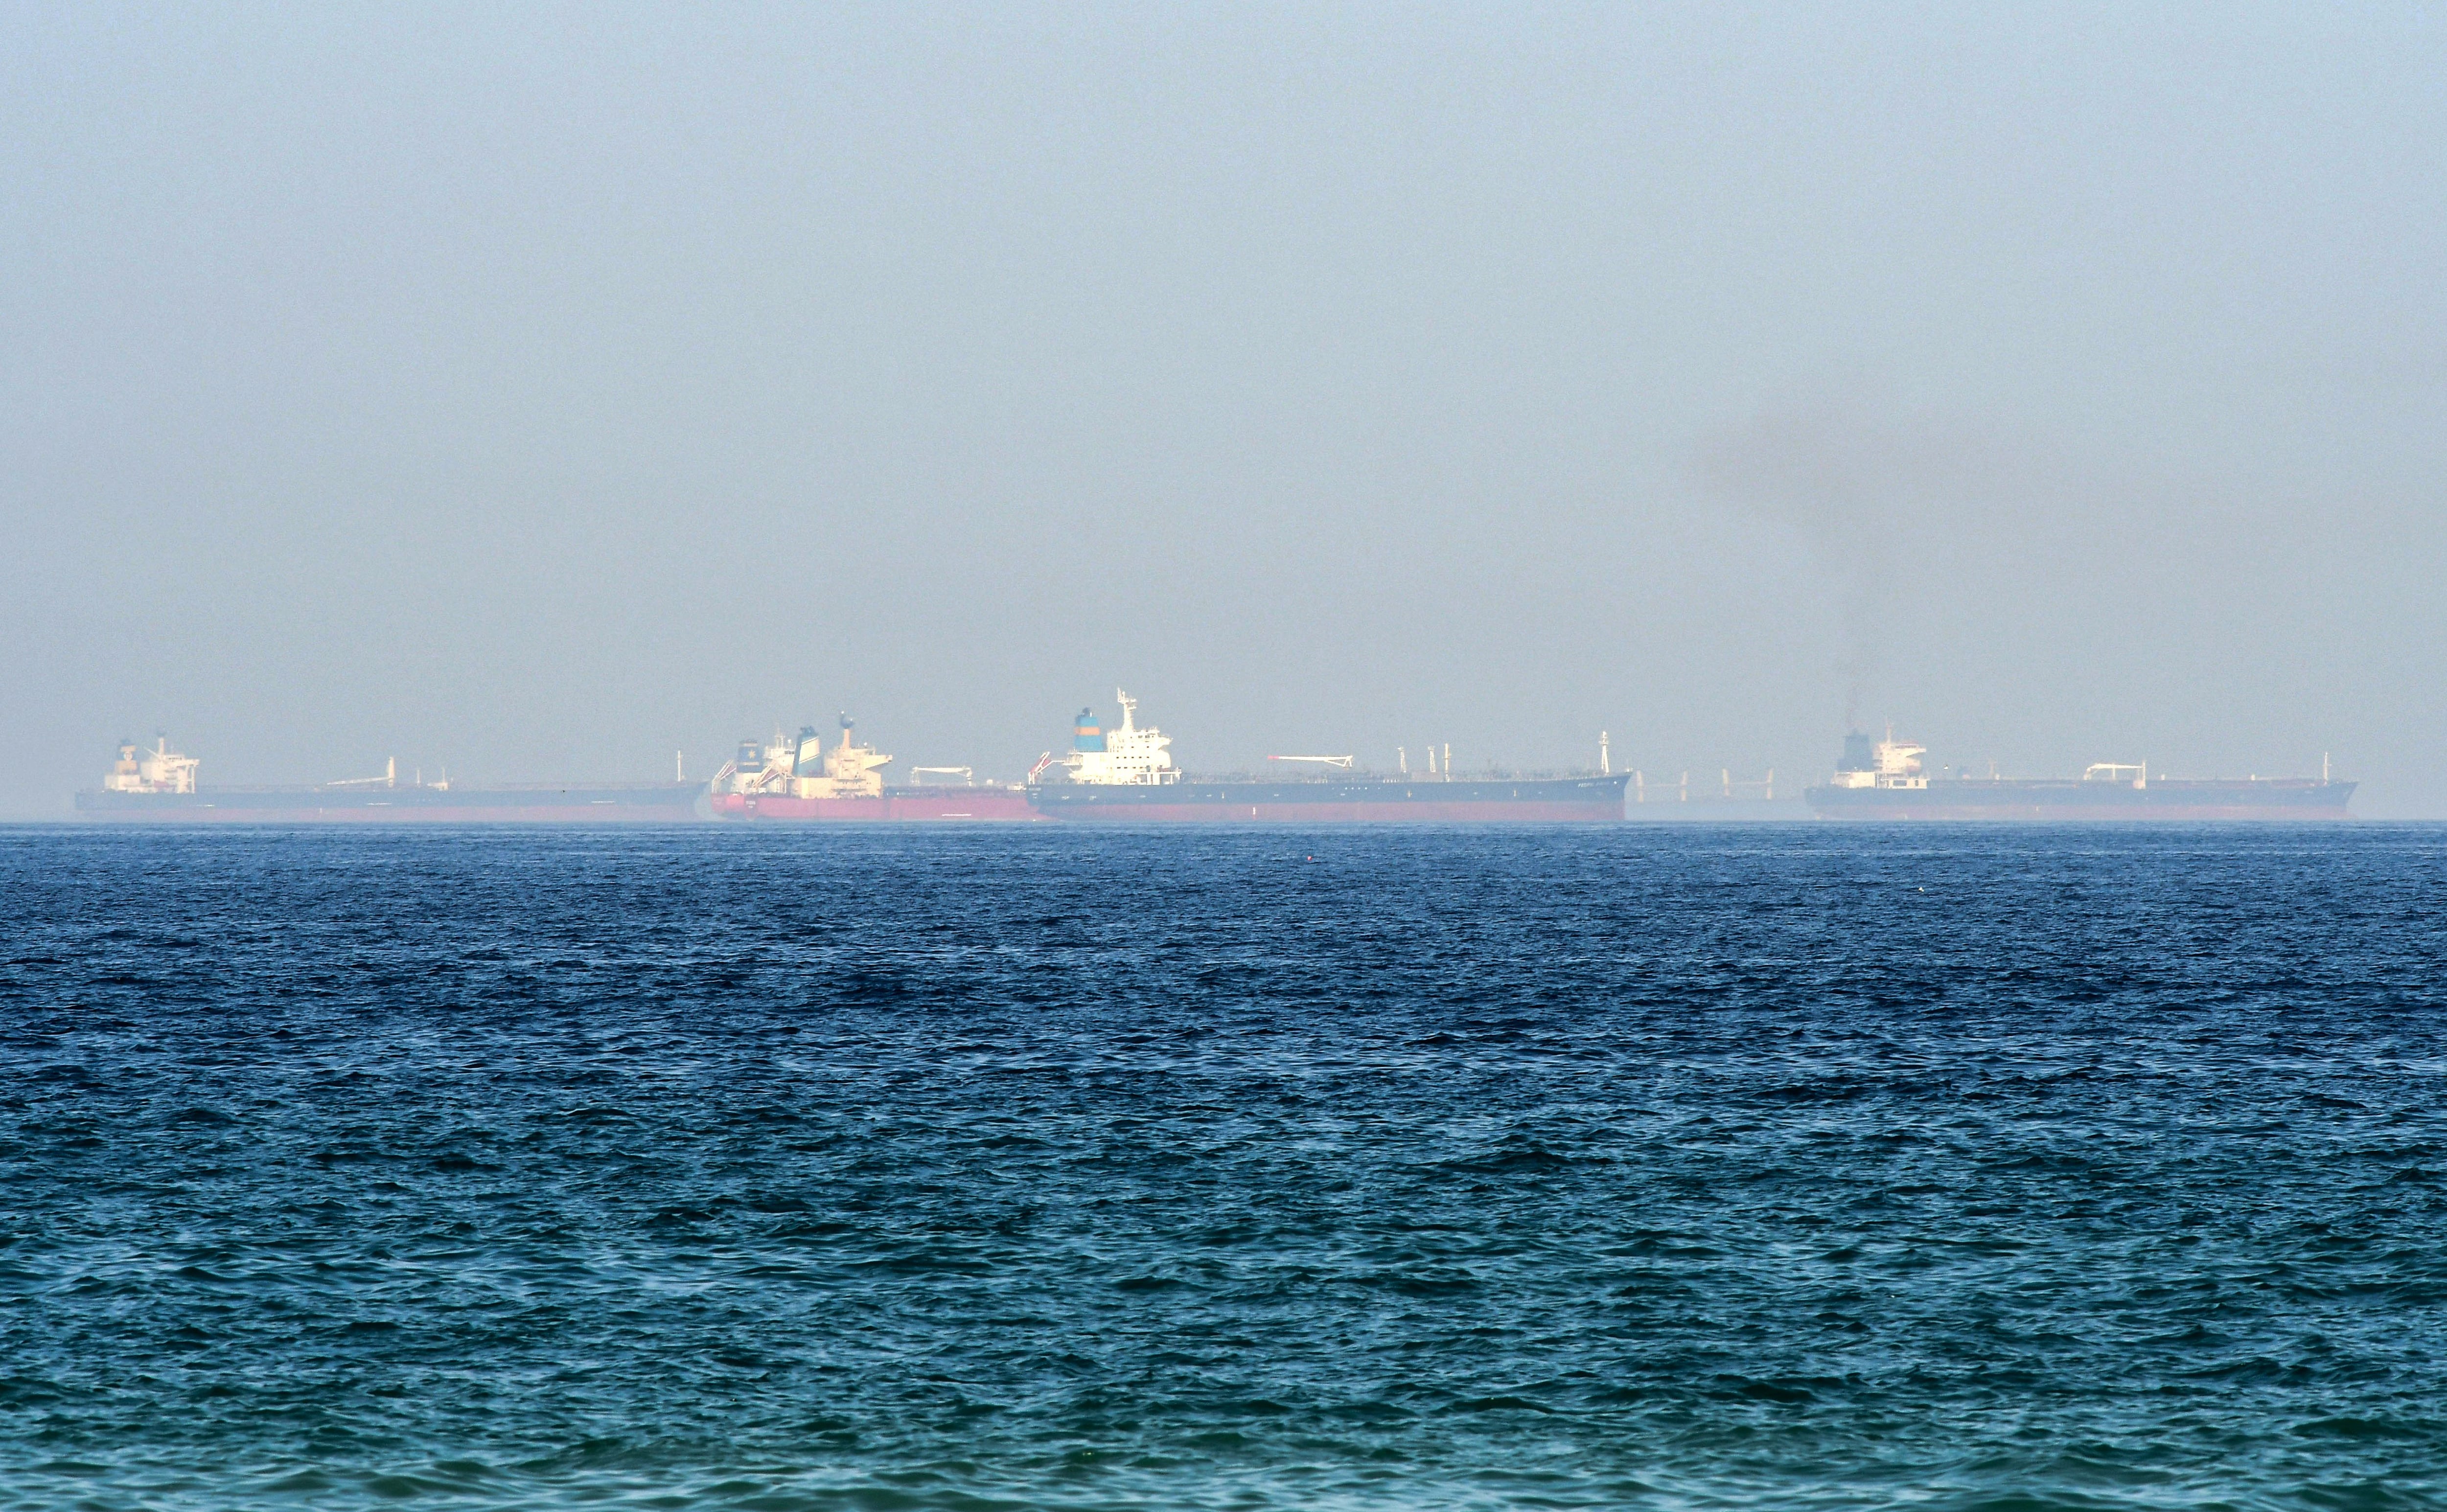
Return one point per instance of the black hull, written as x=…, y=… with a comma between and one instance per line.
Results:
x=1361, y=801
x=2163, y=800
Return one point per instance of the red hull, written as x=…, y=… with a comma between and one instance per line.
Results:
x=954, y=804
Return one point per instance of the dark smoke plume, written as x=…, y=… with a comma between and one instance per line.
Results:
x=1852, y=487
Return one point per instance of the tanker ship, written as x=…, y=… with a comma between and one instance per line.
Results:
x=1127, y=775
x=160, y=785
x=795, y=777
x=1884, y=780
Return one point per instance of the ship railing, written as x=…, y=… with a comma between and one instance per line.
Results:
x=1726, y=787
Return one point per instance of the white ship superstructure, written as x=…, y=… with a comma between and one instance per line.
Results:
x=799, y=767
x=1890, y=763
x=1129, y=756
x=159, y=770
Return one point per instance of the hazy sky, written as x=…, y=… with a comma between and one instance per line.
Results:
x=540, y=390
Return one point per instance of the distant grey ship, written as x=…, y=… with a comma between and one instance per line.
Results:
x=1883, y=780
x=159, y=786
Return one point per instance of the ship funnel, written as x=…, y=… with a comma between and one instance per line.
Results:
x=1085, y=733
x=1859, y=756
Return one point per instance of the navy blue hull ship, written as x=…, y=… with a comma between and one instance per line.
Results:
x=1126, y=775
x=1344, y=801
x=159, y=786
x=1883, y=780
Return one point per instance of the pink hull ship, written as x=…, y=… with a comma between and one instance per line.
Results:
x=799, y=779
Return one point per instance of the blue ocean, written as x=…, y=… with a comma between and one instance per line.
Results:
x=1643, y=1167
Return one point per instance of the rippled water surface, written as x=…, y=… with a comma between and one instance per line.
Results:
x=970, y=1169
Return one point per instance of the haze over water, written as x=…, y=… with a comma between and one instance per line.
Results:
x=1672, y=1166
x=534, y=392
x=553, y=391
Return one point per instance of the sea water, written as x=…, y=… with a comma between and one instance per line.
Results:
x=765, y=1167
